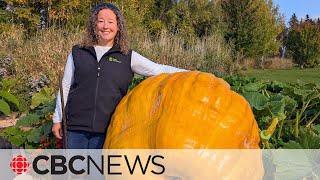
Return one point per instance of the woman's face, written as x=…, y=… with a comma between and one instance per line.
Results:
x=107, y=27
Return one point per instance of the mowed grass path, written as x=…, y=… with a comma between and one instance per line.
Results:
x=291, y=75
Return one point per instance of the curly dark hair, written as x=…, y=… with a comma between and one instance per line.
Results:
x=91, y=37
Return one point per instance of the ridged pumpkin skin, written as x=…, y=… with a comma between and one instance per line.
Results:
x=183, y=110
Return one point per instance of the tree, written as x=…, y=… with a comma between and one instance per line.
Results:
x=252, y=26
x=39, y=14
x=303, y=42
x=195, y=18
x=179, y=20
x=4, y=15
x=293, y=21
x=205, y=17
x=25, y=13
x=269, y=26
x=156, y=19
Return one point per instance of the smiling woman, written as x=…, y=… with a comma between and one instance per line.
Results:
x=97, y=75
x=107, y=27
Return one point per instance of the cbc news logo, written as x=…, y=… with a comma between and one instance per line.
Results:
x=19, y=164
x=111, y=164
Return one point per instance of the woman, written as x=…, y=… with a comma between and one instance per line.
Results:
x=97, y=75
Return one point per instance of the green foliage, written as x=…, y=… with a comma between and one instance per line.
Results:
x=4, y=107
x=137, y=79
x=7, y=84
x=14, y=135
x=34, y=129
x=24, y=12
x=192, y=18
x=44, y=96
x=252, y=26
x=303, y=41
x=31, y=138
x=295, y=105
x=182, y=17
x=256, y=100
x=16, y=92
x=40, y=14
x=29, y=120
x=188, y=19
x=308, y=139
x=155, y=19
x=8, y=101
x=9, y=98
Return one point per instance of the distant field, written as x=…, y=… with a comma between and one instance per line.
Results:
x=292, y=75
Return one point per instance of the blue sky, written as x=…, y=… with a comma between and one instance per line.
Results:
x=300, y=7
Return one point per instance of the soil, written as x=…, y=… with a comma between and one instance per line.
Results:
x=7, y=121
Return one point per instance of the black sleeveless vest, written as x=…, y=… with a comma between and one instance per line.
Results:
x=97, y=88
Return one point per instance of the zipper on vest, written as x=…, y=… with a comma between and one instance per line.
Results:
x=95, y=97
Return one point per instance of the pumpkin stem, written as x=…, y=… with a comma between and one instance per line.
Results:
x=266, y=134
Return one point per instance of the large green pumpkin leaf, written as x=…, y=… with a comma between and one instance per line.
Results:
x=28, y=120
x=42, y=97
x=45, y=109
x=17, y=140
x=46, y=128
x=290, y=103
x=302, y=92
x=10, y=131
x=275, y=86
x=277, y=108
x=4, y=107
x=35, y=135
x=256, y=100
x=280, y=104
x=10, y=98
x=253, y=87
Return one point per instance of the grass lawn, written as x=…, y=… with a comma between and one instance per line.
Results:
x=291, y=75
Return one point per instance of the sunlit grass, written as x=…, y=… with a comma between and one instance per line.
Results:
x=291, y=75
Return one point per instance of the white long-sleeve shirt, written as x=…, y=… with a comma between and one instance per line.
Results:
x=139, y=65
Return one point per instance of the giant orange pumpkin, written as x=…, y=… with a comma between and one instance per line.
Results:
x=180, y=111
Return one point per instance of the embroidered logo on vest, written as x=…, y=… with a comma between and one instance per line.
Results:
x=112, y=59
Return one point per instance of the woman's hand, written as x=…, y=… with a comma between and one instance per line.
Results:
x=57, y=130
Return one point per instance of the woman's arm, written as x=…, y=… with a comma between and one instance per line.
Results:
x=146, y=67
x=66, y=83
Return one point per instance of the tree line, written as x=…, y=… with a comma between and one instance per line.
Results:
x=253, y=28
x=302, y=39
